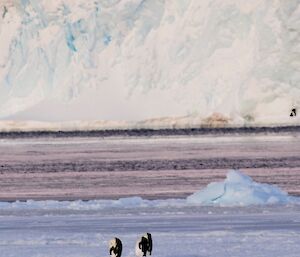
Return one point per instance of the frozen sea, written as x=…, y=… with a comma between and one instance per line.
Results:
x=163, y=170
x=155, y=166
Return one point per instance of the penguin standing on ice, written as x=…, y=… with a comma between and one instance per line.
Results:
x=144, y=246
x=115, y=247
x=293, y=112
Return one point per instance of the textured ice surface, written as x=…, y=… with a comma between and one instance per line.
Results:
x=142, y=59
x=201, y=232
x=179, y=228
x=236, y=190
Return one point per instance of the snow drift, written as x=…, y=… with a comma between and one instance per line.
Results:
x=133, y=60
x=236, y=190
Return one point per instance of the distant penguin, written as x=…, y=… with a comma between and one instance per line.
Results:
x=144, y=246
x=115, y=247
x=293, y=112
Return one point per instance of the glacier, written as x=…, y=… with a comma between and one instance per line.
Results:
x=155, y=61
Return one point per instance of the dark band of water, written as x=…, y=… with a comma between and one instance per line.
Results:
x=150, y=165
x=151, y=132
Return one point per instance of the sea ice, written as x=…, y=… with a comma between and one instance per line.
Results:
x=237, y=189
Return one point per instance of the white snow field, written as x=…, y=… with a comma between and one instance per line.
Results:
x=179, y=62
x=179, y=228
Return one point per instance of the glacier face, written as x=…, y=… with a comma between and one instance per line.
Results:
x=65, y=60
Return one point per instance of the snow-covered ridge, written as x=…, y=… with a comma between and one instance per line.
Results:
x=191, y=121
x=236, y=190
x=136, y=60
x=185, y=122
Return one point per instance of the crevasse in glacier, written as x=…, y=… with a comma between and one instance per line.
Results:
x=65, y=60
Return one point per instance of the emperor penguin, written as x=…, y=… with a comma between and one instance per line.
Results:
x=144, y=246
x=293, y=112
x=115, y=247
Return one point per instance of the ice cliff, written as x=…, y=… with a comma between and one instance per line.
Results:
x=133, y=60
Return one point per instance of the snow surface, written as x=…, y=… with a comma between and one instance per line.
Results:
x=180, y=228
x=264, y=232
x=139, y=60
x=236, y=190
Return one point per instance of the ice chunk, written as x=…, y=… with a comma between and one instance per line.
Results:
x=239, y=189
